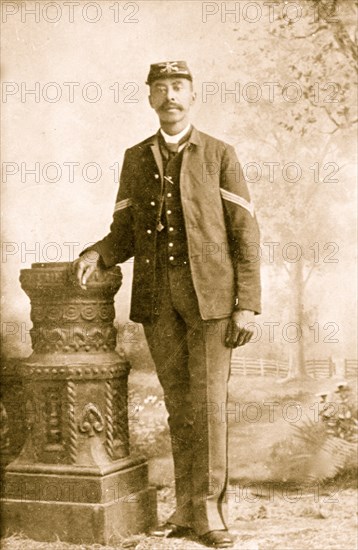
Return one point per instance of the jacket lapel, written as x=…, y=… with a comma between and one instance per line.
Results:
x=194, y=142
x=154, y=145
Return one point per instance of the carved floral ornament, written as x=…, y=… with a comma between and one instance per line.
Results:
x=91, y=421
x=72, y=312
x=73, y=339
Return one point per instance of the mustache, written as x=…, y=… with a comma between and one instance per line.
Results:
x=171, y=106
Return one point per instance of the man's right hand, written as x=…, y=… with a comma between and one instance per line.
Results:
x=84, y=266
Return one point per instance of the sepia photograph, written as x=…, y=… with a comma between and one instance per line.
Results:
x=179, y=275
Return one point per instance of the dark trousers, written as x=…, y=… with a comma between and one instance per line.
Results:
x=193, y=367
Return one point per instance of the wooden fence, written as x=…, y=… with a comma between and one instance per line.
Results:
x=317, y=368
x=320, y=368
x=351, y=368
x=258, y=367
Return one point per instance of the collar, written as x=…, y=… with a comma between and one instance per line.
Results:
x=194, y=139
x=177, y=137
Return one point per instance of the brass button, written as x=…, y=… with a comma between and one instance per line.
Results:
x=171, y=245
x=152, y=203
x=169, y=194
x=171, y=258
x=149, y=231
x=147, y=261
x=156, y=176
x=169, y=211
x=171, y=228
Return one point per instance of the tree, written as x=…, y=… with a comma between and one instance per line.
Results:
x=300, y=141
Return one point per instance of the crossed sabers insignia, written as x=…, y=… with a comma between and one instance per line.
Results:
x=170, y=67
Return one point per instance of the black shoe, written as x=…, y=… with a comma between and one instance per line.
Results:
x=217, y=539
x=171, y=530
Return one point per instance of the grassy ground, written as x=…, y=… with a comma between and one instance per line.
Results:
x=278, y=520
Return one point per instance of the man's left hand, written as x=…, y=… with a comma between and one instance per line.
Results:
x=238, y=333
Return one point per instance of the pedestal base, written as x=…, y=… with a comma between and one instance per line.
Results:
x=79, y=508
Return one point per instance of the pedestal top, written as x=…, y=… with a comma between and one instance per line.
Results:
x=61, y=274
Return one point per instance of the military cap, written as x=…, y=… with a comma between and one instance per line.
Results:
x=168, y=69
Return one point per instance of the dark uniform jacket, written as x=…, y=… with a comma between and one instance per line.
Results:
x=220, y=226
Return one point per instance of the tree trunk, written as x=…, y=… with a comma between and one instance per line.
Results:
x=294, y=334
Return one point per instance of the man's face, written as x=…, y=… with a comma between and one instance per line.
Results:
x=171, y=98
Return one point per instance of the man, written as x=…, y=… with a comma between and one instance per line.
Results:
x=184, y=212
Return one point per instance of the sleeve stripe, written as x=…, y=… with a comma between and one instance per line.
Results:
x=122, y=204
x=236, y=199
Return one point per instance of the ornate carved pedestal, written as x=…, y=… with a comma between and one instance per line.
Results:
x=74, y=478
x=12, y=424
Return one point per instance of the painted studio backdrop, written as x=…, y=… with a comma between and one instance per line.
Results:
x=272, y=79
